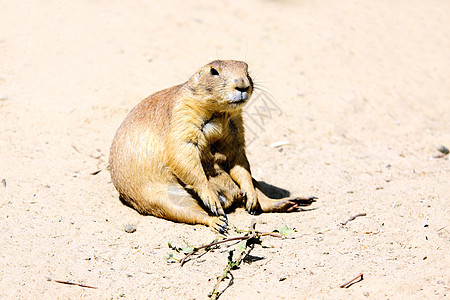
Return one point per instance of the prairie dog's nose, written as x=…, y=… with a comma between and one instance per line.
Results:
x=241, y=84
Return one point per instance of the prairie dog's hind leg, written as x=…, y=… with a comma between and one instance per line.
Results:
x=287, y=204
x=176, y=204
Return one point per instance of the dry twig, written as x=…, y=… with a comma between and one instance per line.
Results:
x=251, y=238
x=234, y=264
x=77, y=284
x=351, y=282
x=352, y=218
x=231, y=264
x=237, y=238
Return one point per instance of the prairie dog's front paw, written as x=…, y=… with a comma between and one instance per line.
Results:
x=211, y=201
x=251, y=203
x=228, y=191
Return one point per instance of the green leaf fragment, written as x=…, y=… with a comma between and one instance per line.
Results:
x=286, y=231
x=187, y=249
x=234, y=265
x=171, y=258
x=241, y=246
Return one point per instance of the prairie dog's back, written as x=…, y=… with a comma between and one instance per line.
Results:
x=135, y=157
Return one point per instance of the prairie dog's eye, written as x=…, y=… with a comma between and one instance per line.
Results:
x=214, y=72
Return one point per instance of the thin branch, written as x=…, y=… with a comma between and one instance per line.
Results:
x=77, y=284
x=195, y=250
x=351, y=282
x=250, y=238
x=352, y=218
x=237, y=238
x=215, y=294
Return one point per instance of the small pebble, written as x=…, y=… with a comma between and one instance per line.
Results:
x=443, y=149
x=129, y=228
x=366, y=294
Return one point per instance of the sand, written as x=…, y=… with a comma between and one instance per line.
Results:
x=360, y=102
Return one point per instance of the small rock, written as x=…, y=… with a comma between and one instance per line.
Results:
x=366, y=294
x=129, y=228
x=443, y=149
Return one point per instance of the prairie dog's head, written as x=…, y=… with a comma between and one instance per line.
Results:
x=224, y=84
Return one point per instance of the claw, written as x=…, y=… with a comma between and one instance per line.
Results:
x=223, y=229
x=221, y=212
x=305, y=201
x=224, y=220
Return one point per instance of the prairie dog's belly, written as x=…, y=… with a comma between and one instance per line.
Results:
x=214, y=130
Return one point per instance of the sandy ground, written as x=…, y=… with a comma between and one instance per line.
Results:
x=362, y=98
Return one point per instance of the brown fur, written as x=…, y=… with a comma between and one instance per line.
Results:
x=180, y=153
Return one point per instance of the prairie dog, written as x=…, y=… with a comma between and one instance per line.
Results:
x=180, y=153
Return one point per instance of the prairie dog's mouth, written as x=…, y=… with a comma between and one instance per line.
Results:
x=238, y=102
x=238, y=97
